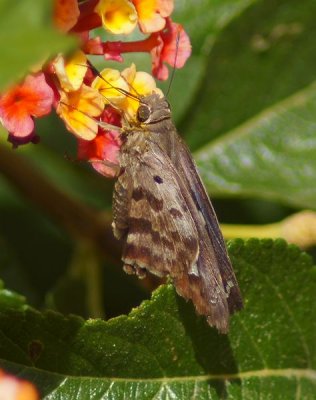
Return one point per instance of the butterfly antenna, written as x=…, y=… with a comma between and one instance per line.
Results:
x=120, y=90
x=174, y=63
x=131, y=87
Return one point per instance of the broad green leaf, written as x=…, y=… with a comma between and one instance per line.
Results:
x=204, y=19
x=270, y=156
x=27, y=37
x=262, y=57
x=162, y=350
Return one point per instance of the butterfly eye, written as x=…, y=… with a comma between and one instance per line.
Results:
x=143, y=113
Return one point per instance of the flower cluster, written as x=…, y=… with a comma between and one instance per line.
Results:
x=88, y=101
x=12, y=388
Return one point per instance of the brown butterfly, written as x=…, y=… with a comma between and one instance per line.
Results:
x=165, y=218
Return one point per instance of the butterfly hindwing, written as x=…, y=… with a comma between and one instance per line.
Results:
x=159, y=232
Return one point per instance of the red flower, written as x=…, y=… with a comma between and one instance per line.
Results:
x=33, y=98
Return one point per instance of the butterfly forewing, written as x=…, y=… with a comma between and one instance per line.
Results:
x=210, y=228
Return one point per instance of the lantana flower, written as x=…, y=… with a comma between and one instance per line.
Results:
x=32, y=98
x=79, y=93
x=12, y=388
x=102, y=151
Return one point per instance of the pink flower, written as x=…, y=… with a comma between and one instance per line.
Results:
x=174, y=48
x=20, y=104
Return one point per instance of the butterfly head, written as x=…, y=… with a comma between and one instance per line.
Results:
x=153, y=109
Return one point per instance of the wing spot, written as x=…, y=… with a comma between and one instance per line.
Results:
x=158, y=179
x=176, y=213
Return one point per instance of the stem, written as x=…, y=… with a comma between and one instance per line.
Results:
x=231, y=231
x=299, y=228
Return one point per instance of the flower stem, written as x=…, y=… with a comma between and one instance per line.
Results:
x=299, y=228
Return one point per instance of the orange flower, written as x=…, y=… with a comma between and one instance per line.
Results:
x=33, y=98
x=66, y=14
x=152, y=14
x=12, y=388
x=78, y=110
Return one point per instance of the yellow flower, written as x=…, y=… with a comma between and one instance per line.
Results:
x=71, y=72
x=78, y=110
x=109, y=84
x=140, y=84
x=123, y=90
x=118, y=16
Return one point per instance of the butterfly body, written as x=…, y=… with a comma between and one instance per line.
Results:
x=165, y=218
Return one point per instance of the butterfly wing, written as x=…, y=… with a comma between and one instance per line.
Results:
x=162, y=233
x=213, y=253
x=151, y=214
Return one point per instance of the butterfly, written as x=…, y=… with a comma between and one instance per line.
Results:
x=163, y=215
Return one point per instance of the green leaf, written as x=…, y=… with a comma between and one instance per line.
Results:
x=27, y=37
x=270, y=156
x=255, y=62
x=9, y=299
x=205, y=19
x=162, y=350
